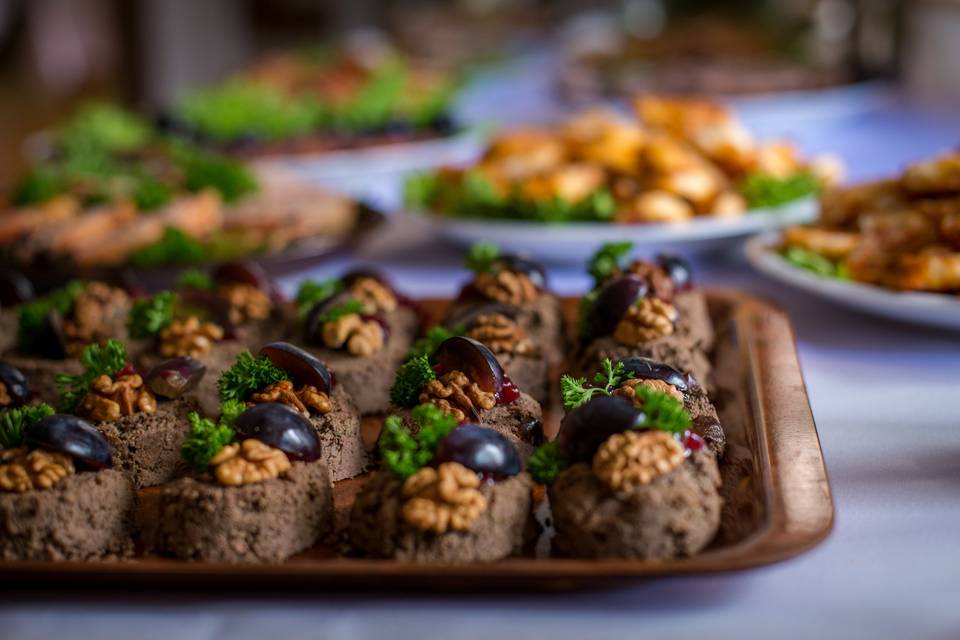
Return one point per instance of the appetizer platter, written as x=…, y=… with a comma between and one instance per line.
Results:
x=352, y=437
x=680, y=171
x=112, y=193
x=890, y=247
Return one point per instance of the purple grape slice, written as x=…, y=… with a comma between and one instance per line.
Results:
x=482, y=450
x=585, y=428
x=71, y=436
x=279, y=426
x=649, y=369
x=173, y=378
x=17, y=387
x=303, y=367
x=473, y=359
x=612, y=302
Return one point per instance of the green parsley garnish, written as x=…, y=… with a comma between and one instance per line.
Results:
x=608, y=258
x=248, y=375
x=150, y=316
x=32, y=316
x=584, y=308
x=15, y=421
x=482, y=257
x=174, y=247
x=110, y=127
x=412, y=376
x=97, y=361
x=206, y=170
x=576, y=393
x=347, y=307
x=761, y=190
x=194, y=279
x=547, y=462
x=815, y=263
x=661, y=411
x=312, y=292
x=207, y=438
x=428, y=343
x=404, y=453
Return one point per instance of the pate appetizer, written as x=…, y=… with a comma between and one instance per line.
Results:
x=630, y=483
x=285, y=374
x=59, y=498
x=677, y=160
x=363, y=329
x=143, y=417
x=518, y=283
x=621, y=379
x=447, y=493
x=464, y=380
x=53, y=331
x=902, y=233
x=634, y=312
x=262, y=491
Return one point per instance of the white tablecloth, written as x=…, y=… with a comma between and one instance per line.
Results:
x=885, y=397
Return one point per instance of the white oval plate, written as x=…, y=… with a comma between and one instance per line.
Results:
x=575, y=242
x=933, y=309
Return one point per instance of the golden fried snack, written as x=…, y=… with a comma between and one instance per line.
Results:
x=656, y=206
x=832, y=244
x=936, y=269
x=940, y=175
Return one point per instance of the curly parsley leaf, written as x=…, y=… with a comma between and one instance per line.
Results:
x=547, y=462
x=194, y=279
x=15, y=421
x=150, y=316
x=174, y=247
x=404, y=453
x=661, y=411
x=345, y=308
x=205, y=440
x=97, y=361
x=608, y=258
x=412, y=376
x=576, y=393
x=312, y=292
x=428, y=343
x=482, y=257
x=248, y=375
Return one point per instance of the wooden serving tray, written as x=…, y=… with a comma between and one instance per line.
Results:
x=777, y=496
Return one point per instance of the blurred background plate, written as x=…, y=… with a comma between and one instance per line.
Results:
x=933, y=309
x=576, y=242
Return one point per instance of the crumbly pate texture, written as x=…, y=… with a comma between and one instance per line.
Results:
x=674, y=515
x=41, y=373
x=378, y=528
x=146, y=447
x=341, y=446
x=86, y=516
x=265, y=521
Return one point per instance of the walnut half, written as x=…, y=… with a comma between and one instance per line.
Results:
x=111, y=399
x=444, y=498
x=248, y=462
x=632, y=459
x=647, y=320
x=457, y=396
x=501, y=334
x=22, y=471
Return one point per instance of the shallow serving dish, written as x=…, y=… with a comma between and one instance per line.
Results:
x=932, y=309
x=778, y=499
x=575, y=242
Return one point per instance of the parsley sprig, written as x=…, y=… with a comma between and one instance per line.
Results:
x=97, y=361
x=150, y=316
x=428, y=343
x=661, y=411
x=482, y=257
x=607, y=259
x=248, y=375
x=207, y=438
x=312, y=292
x=194, y=279
x=576, y=393
x=345, y=308
x=15, y=421
x=762, y=190
x=412, y=376
x=404, y=453
x=547, y=462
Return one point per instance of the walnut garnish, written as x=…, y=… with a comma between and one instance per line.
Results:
x=5, y=398
x=246, y=302
x=457, y=396
x=375, y=296
x=501, y=334
x=647, y=320
x=444, y=498
x=632, y=459
x=302, y=400
x=360, y=337
x=506, y=287
x=91, y=315
x=110, y=399
x=189, y=337
x=627, y=390
x=248, y=462
x=22, y=471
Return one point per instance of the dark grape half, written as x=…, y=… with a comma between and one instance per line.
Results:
x=173, y=378
x=71, y=436
x=303, y=367
x=472, y=358
x=585, y=428
x=482, y=450
x=281, y=427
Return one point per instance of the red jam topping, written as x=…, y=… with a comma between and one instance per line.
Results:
x=508, y=391
x=692, y=442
